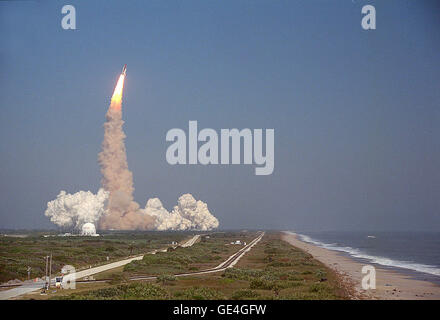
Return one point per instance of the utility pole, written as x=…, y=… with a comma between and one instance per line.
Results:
x=45, y=278
x=50, y=268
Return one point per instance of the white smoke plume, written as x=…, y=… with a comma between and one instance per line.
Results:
x=189, y=214
x=164, y=219
x=122, y=211
x=196, y=212
x=74, y=210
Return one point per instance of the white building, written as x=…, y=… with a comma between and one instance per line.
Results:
x=88, y=229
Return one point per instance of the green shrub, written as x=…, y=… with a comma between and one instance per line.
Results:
x=244, y=294
x=146, y=291
x=110, y=293
x=242, y=274
x=279, y=264
x=319, y=287
x=262, y=284
x=197, y=293
x=320, y=274
x=227, y=281
x=166, y=278
x=117, y=278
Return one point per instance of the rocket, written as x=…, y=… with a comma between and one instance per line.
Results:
x=117, y=94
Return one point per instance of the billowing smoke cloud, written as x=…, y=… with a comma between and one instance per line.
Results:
x=195, y=211
x=164, y=219
x=72, y=211
x=122, y=211
x=188, y=214
x=75, y=210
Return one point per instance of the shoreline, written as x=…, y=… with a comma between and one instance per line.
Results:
x=390, y=284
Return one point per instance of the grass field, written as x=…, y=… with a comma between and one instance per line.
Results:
x=17, y=253
x=273, y=269
x=209, y=252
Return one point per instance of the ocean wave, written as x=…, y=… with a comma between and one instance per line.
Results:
x=384, y=261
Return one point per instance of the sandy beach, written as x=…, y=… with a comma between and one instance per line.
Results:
x=389, y=284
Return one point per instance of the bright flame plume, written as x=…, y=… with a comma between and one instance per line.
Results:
x=117, y=94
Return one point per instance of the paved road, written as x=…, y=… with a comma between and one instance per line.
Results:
x=15, y=292
x=228, y=263
x=191, y=241
x=33, y=286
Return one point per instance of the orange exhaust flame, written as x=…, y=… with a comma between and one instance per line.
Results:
x=117, y=94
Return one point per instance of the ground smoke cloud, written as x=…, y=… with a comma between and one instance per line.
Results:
x=188, y=214
x=75, y=210
x=72, y=211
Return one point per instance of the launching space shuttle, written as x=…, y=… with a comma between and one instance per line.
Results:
x=124, y=70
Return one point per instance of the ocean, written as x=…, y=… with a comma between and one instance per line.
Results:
x=416, y=254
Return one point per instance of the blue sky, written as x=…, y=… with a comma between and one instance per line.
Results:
x=356, y=113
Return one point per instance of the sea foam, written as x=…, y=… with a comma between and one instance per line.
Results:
x=384, y=261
